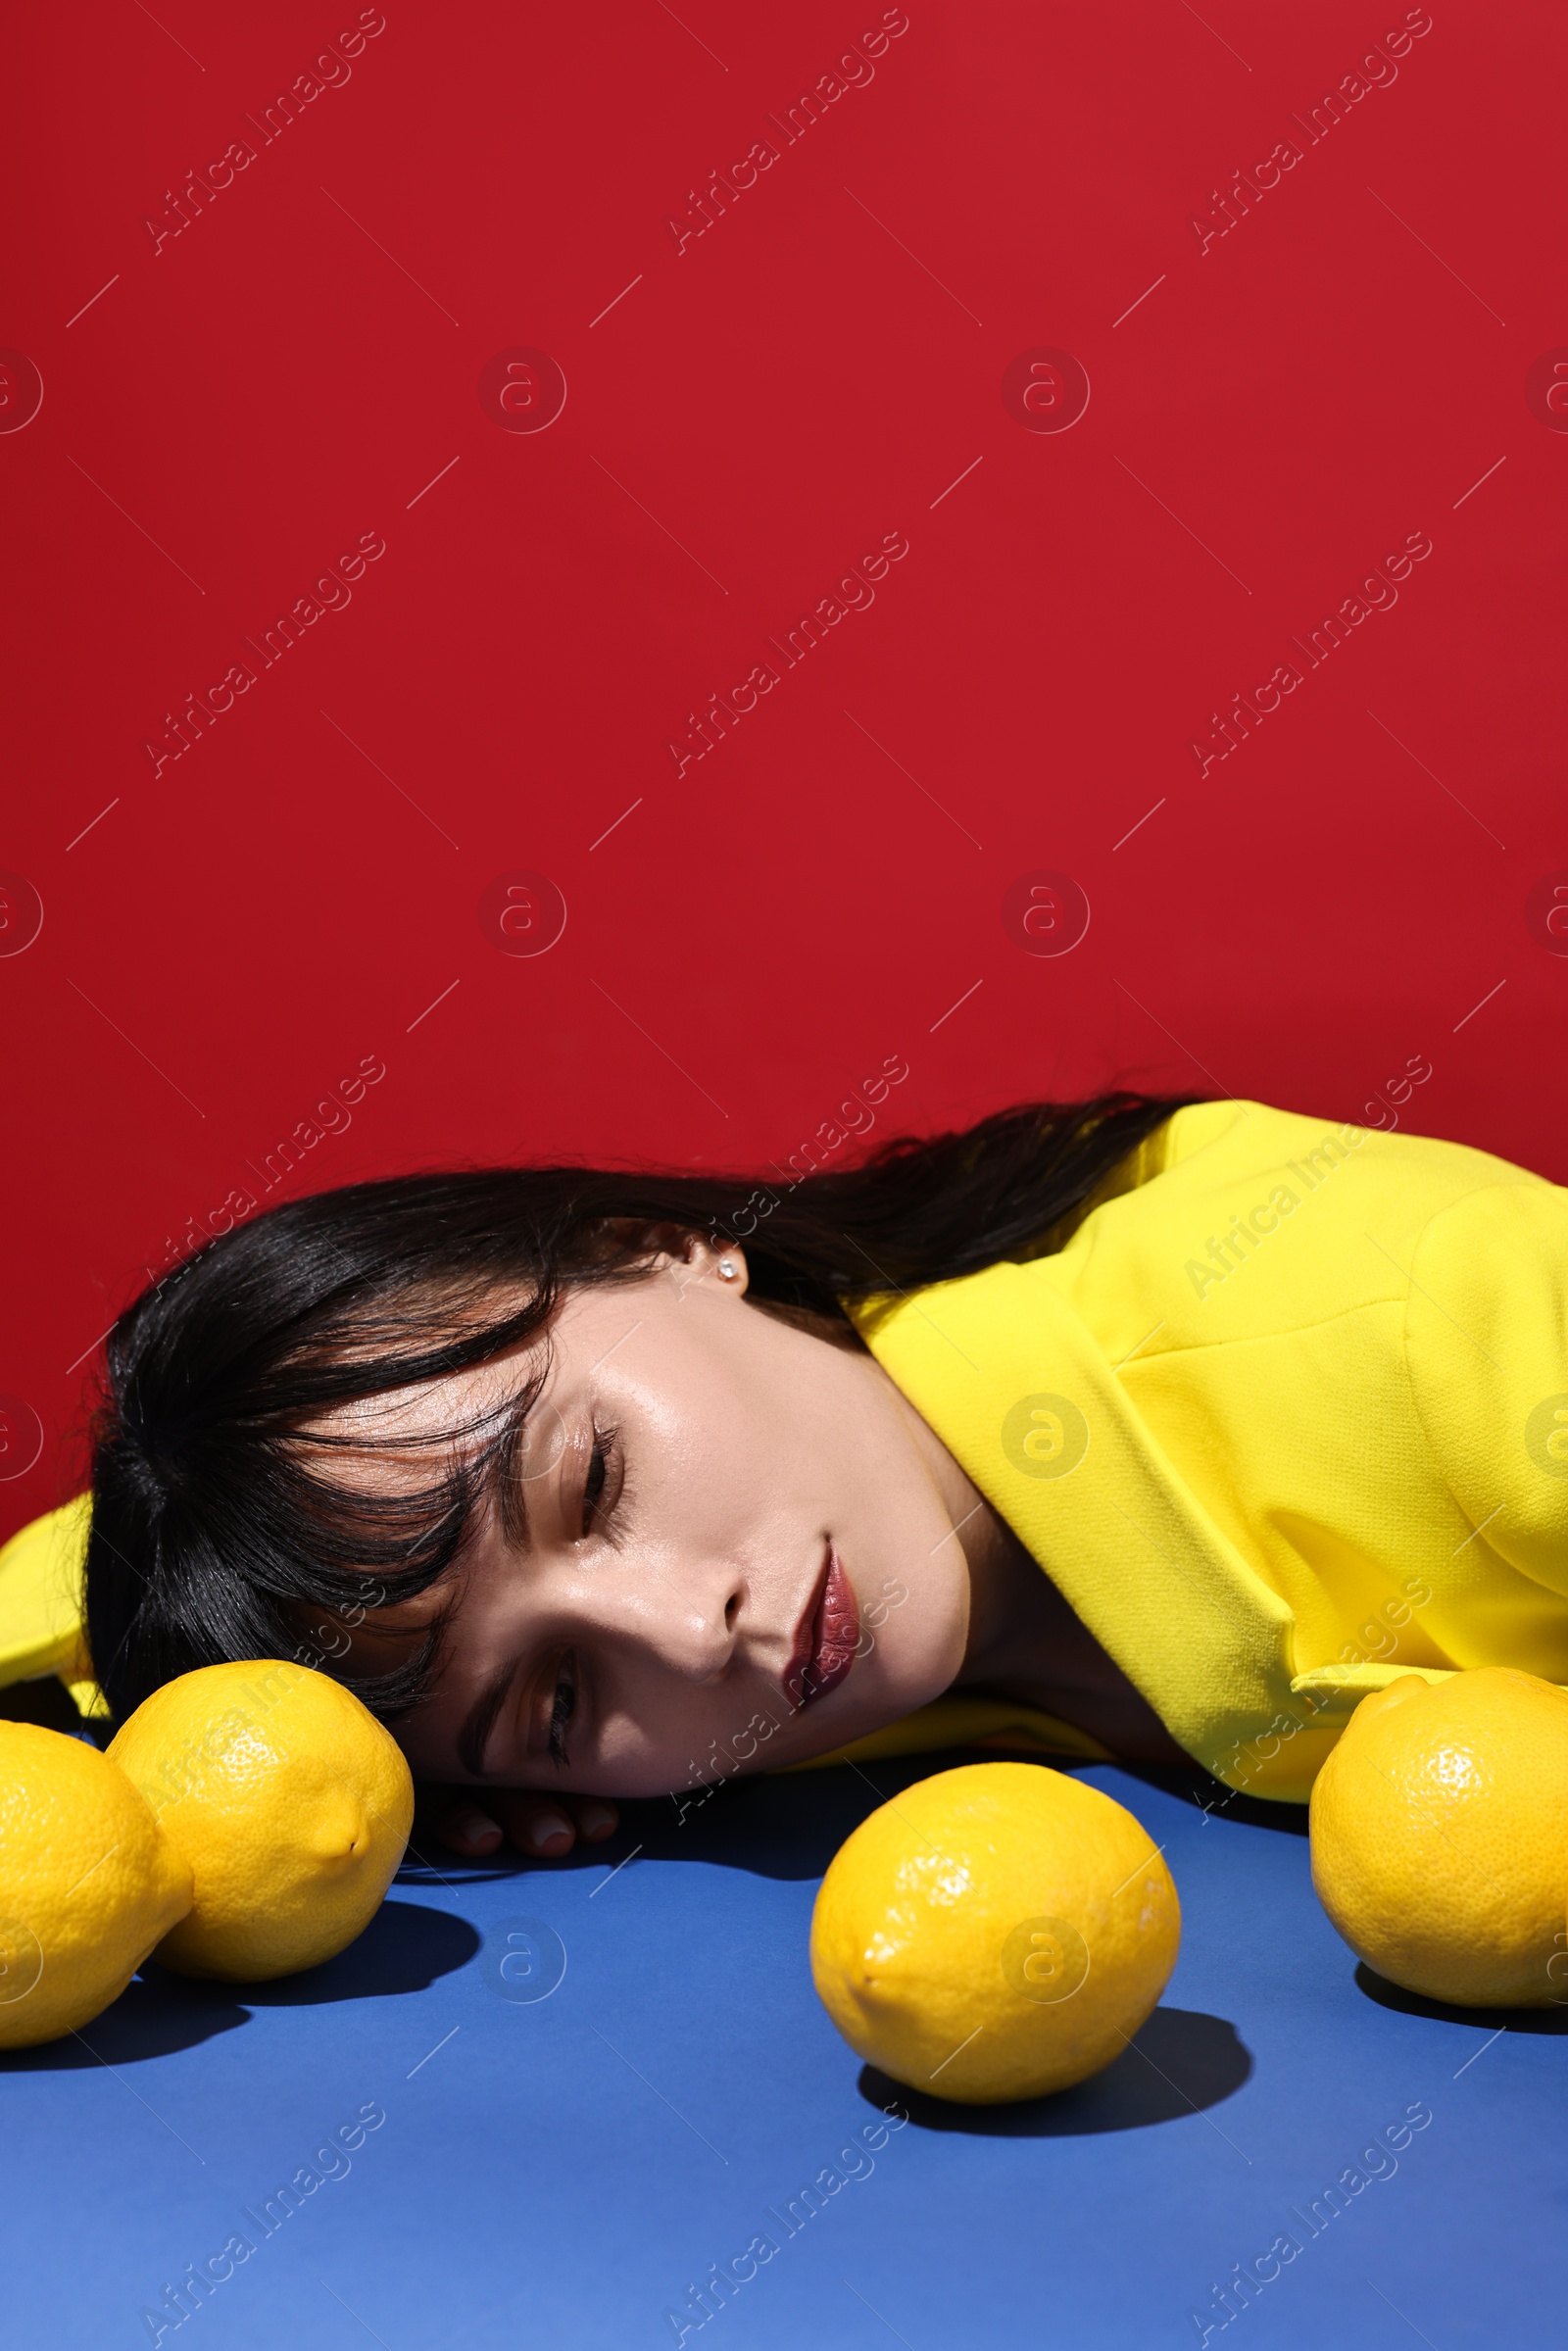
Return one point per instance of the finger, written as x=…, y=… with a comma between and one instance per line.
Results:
x=463, y=1829
x=538, y=1825
x=596, y=1818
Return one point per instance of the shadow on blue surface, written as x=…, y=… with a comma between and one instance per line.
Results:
x=432, y=1865
x=1181, y=2062
x=1414, y=2003
x=154, y=2016
x=784, y=1827
x=405, y=1949
x=791, y=1825
x=1216, y=1801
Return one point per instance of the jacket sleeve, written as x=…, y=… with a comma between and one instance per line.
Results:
x=1486, y=1336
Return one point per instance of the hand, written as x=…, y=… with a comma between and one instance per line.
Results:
x=475, y=1823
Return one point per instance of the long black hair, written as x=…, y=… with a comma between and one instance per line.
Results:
x=216, y=1525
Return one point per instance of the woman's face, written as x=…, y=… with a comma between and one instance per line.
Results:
x=731, y=1545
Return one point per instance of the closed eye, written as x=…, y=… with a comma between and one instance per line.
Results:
x=605, y=1477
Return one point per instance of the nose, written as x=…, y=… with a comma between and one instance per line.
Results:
x=687, y=1613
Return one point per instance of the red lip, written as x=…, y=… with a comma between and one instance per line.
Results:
x=826, y=1637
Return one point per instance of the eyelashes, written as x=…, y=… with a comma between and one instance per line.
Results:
x=604, y=1489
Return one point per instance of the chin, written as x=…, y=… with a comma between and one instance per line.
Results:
x=858, y=1708
x=920, y=1667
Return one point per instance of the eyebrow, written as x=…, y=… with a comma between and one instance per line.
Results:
x=508, y=1488
x=479, y=1722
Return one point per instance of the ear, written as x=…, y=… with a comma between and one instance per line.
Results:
x=719, y=1266
x=690, y=1257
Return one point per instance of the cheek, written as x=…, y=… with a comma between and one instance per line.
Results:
x=679, y=1741
x=918, y=1601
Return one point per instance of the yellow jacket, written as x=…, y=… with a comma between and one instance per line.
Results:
x=1284, y=1416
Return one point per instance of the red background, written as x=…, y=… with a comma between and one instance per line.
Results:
x=238, y=406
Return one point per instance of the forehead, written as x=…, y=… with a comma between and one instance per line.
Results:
x=392, y=1434
x=399, y=1437
x=397, y=1429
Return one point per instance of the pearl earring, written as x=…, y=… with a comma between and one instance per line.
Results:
x=728, y=1271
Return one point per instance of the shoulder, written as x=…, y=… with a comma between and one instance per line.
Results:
x=1232, y=1159
x=1485, y=1344
x=1258, y=1222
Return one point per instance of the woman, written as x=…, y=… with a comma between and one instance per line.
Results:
x=1158, y=1431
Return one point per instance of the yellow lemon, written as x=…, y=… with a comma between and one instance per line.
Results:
x=87, y=1883
x=994, y=1932
x=1440, y=1838
x=288, y=1800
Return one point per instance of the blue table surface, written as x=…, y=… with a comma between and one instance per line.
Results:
x=557, y=2170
